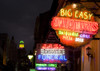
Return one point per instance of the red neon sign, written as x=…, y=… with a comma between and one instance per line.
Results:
x=81, y=26
x=52, y=46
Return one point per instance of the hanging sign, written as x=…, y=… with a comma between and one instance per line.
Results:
x=74, y=25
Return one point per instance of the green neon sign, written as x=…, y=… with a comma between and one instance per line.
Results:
x=68, y=33
x=21, y=42
x=41, y=65
x=32, y=70
x=52, y=65
x=46, y=65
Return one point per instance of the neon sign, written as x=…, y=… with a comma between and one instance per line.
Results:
x=32, y=70
x=52, y=65
x=45, y=65
x=74, y=25
x=85, y=36
x=52, y=57
x=52, y=53
x=67, y=37
x=52, y=46
x=79, y=26
x=45, y=68
x=21, y=42
x=52, y=49
x=21, y=45
x=75, y=14
x=41, y=65
x=79, y=39
x=74, y=34
x=68, y=33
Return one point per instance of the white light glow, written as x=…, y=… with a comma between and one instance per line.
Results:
x=52, y=51
x=74, y=5
x=30, y=56
x=79, y=39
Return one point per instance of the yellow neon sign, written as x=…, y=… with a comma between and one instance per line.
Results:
x=68, y=33
x=21, y=45
x=77, y=14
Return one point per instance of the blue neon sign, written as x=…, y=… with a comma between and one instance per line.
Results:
x=52, y=57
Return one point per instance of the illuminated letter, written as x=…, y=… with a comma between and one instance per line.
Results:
x=44, y=57
x=69, y=13
x=90, y=15
x=81, y=15
x=61, y=57
x=66, y=12
x=56, y=57
x=76, y=12
x=39, y=56
x=43, y=46
x=74, y=34
x=86, y=16
x=62, y=13
x=84, y=36
x=42, y=51
x=49, y=57
x=60, y=32
x=64, y=58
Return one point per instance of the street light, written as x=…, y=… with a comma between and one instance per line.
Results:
x=89, y=52
x=30, y=56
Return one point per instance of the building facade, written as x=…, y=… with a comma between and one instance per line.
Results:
x=80, y=60
x=4, y=44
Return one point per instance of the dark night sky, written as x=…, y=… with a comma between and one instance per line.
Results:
x=17, y=18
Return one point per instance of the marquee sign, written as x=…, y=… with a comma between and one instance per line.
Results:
x=51, y=53
x=74, y=26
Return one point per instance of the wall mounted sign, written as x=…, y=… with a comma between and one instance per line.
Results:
x=51, y=53
x=74, y=25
